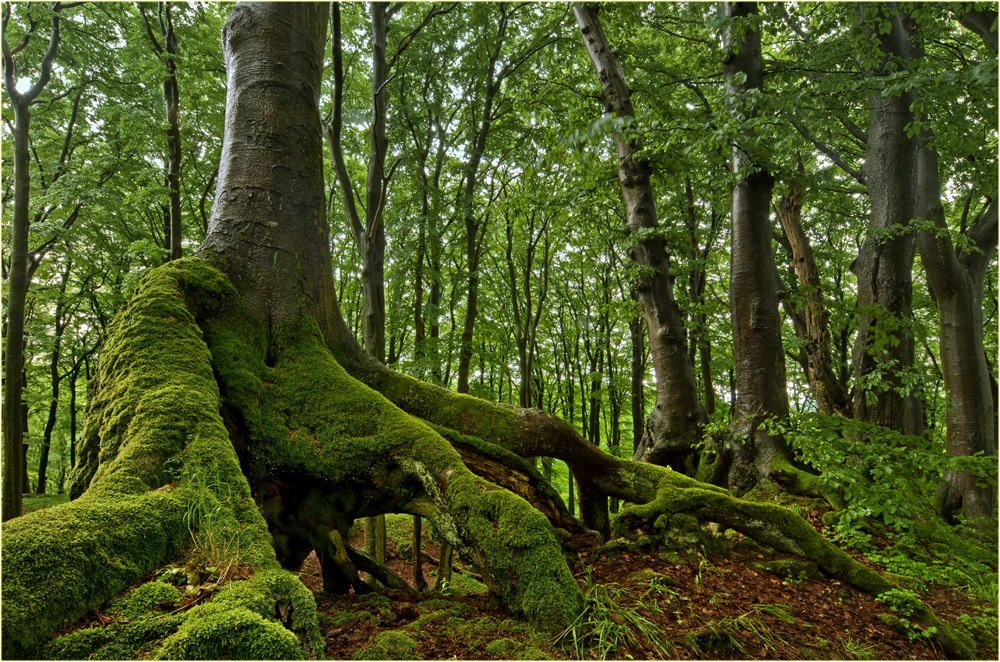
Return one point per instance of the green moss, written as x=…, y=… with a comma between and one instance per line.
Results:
x=112, y=642
x=140, y=602
x=516, y=544
x=155, y=398
x=511, y=649
x=389, y=645
x=221, y=631
x=61, y=562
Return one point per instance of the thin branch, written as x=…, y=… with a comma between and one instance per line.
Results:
x=149, y=31
x=834, y=156
x=409, y=38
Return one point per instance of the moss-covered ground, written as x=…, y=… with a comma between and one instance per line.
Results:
x=747, y=602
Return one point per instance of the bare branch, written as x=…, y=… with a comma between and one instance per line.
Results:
x=409, y=38
x=149, y=30
x=834, y=156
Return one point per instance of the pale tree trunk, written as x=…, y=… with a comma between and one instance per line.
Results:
x=885, y=263
x=674, y=426
x=14, y=476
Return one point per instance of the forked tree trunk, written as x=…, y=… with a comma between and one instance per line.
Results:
x=674, y=426
x=957, y=278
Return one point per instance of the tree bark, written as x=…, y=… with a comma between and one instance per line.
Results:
x=757, y=347
x=957, y=278
x=18, y=280
x=270, y=156
x=883, y=346
x=674, y=426
x=830, y=395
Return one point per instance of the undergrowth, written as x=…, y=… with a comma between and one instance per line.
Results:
x=608, y=626
x=888, y=481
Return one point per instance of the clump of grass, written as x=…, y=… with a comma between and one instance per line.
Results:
x=609, y=627
x=856, y=650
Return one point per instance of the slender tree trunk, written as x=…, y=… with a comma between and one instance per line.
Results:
x=171, y=97
x=419, y=582
x=14, y=456
x=55, y=378
x=167, y=52
x=674, y=426
x=474, y=232
x=637, y=381
x=373, y=245
x=757, y=348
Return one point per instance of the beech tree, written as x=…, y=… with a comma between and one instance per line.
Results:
x=674, y=427
x=232, y=403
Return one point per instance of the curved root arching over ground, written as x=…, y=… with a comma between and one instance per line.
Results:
x=198, y=409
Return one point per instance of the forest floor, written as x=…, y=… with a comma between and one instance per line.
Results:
x=747, y=604
x=642, y=606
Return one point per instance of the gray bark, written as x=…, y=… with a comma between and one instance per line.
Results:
x=885, y=263
x=674, y=425
x=757, y=347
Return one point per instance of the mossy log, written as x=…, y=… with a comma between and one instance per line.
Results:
x=205, y=421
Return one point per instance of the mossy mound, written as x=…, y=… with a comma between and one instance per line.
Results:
x=389, y=645
x=140, y=603
x=221, y=631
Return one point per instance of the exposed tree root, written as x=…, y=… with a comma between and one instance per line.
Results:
x=316, y=449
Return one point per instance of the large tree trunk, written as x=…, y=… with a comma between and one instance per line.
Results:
x=757, y=347
x=674, y=426
x=885, y=263
x=956, y=279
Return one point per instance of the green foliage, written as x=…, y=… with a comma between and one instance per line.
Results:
x=881, y=473
x=888, y=478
